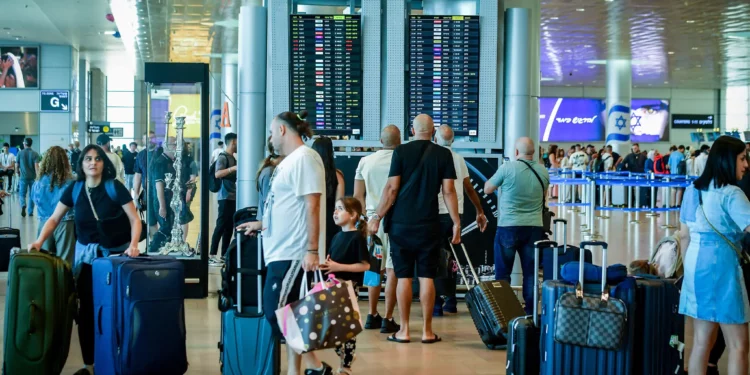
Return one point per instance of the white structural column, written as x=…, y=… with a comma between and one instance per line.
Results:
x=393, y=110
x=521, y=96
x=252, y=101
x=619, y=83
x=371, y=78
x=215, y=102
x=229, y=80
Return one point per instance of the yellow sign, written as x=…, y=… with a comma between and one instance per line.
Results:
x=188, y=106
x=105, y=129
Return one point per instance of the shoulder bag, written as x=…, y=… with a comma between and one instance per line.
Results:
x=742, y=256
x=547, y=215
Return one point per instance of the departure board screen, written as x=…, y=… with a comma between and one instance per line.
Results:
x=326, y=72
x=444, y=71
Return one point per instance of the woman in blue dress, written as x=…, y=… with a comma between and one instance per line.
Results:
x=713, y=291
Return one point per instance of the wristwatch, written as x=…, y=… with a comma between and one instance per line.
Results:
x=375, y=217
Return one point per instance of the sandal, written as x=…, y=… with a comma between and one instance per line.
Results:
x=432, y=341
x=393, y=338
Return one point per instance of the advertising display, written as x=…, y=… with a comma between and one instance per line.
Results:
x=583, y=120
x=19, y=67
x=326, y=72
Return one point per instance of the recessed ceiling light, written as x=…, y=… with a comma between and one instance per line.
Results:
x=690, y=21
x=554, y=18
x=587, y=45
x=640, y=74
x=546, y=79
x=593, y=81
x=596, y=62
x=677, y=68
x=694, y=48
x=567, y=85
x=568, y=51
x=592, y=66
x=666, y=82
x=108, y=32
x=698, y=66
x=580, y=10
x=670, y=52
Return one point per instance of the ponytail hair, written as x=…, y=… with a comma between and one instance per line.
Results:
x=296, y=122
x=354, y=208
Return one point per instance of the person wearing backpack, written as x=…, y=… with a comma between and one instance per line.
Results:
x=224, y=170
x=106, y=223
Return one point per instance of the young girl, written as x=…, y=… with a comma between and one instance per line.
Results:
x=348, y=259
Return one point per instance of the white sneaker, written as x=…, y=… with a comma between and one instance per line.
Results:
x=215, y=262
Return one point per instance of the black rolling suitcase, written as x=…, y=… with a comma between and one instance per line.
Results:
x=565, y=253
x=523, y=343
x=492, y=305
x=9, y=238
x=248, y=345
x=659, y=328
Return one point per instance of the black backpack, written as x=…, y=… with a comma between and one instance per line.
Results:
x=214, y=184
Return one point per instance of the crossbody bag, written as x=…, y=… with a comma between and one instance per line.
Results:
x=547, y=215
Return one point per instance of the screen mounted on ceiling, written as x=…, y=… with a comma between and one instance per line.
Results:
x=19, y=67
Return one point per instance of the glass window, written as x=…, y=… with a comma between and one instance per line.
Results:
x=120, y=114
x=120, y=99
x=120, y=83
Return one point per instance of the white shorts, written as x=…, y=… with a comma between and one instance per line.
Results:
x=387, y=260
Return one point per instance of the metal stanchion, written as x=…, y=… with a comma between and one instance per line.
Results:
x=592, y=207
x=608, y=195
x=585, y=228
x=637, y=204
x=652, y=213
x=666, y=204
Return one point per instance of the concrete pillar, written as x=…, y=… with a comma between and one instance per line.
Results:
x=252, y=101
x=140, y=109
x=83, y=98
x=619, y=92
x=215, y=102
x=521, y=96
x=229, y=79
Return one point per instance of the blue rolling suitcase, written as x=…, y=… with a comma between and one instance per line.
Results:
x=565, y=253
x=659, y=327
x=566, y=359
x=248, y=345
x=140, y=316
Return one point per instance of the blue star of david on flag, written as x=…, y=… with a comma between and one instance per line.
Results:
x=620, y=122
x=635, y=121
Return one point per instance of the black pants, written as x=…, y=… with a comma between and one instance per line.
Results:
x=85, y=320
x=224, y=226
x=446, y=286
x=9, y=173
x=165, y=231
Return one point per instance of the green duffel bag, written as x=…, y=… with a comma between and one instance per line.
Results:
x=39, y=309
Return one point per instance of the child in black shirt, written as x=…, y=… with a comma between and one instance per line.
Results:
x=348, y=259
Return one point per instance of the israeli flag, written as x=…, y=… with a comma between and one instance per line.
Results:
x=618, y=123
x=215, y=122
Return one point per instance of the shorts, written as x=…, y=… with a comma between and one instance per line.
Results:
x=282, y=287
x=415, y=246
x=387, y=259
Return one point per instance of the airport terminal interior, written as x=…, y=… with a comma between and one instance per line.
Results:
x=621, y=99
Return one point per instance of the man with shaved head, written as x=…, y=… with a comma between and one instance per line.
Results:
x=522, y=185
x=446, y=287
x=369, y=181
x=419, y=171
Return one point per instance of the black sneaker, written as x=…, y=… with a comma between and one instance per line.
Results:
x=373, y=322
x=83, y=371
x=23, y=211
x=389, y=326
x=327, y=370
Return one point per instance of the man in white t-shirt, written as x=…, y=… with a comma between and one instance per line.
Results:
x=293, y=220
x=445, y=300
x=578, y=161
x=7, y=166
x=104, y=141
x=699, y=165
x=217, y=151
x=369, y=181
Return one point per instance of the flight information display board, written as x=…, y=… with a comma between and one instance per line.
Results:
x=326, y=72
x=444, y=71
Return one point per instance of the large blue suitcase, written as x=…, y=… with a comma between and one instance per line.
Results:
x=659, y=327
x=248, y=345
x=140, y=316
x=562, y=359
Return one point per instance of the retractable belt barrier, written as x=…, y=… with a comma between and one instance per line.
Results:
x=573, y=185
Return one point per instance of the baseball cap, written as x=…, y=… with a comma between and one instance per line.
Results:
x=103, y=139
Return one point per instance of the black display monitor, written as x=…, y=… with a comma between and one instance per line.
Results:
x=693, y=121
x=443, y=55
x=326, y=72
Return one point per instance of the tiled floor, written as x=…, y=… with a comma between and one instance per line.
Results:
x=461, y=352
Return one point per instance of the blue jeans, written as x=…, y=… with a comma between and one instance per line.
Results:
x=508, y=241
x=24, y=187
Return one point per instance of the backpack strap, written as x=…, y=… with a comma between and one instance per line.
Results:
x=77, y=191
x=109, y=186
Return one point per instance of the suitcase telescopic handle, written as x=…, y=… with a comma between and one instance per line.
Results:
x=239, y=236
x=581, y=263
x=555, y=264
x=544, y=244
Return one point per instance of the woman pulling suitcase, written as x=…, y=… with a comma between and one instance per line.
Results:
x=101, y=203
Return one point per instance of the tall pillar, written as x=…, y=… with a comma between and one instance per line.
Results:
x=229, y=88
x=215, y=102
x=252, y=101
x=619, y=92
x=521, y=96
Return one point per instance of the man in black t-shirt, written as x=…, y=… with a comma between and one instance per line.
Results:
x=128, y=161
x=419, y=171
x=635, y=161
x=162, y=194
x=141, y=182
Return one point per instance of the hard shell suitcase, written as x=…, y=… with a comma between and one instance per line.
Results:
x=565, y=253
x=140, y=316
x=523, y=348
x=659, y=328
x=561, y=359
x=492, y=305
x=248, y=345
x=39, y=309
x=619, y=195
x=10, y=238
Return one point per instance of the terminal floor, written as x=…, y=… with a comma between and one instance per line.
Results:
x=461, y=351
